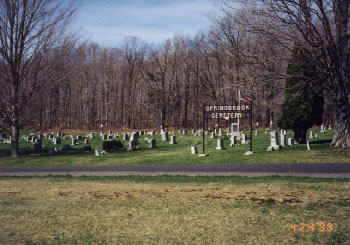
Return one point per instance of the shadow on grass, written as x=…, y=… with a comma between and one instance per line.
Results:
x=320, y=142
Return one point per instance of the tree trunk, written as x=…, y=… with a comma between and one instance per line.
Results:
x=342, y=125
x=14, y=140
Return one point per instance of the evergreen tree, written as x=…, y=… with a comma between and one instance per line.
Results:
x=303, y=101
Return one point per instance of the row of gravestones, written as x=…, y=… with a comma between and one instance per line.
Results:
x=37, y=146
x=275, y=144
x=234, y=141
x=134, y=137
x=133, y=143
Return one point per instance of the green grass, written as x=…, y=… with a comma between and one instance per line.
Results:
x=321, y=152
x=174, y=210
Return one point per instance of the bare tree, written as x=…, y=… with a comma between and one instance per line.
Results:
x=322, y=28
x=28, y=30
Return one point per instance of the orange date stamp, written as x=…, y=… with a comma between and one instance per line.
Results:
x=313, y=227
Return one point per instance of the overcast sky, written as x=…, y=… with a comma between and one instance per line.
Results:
x=108, y=22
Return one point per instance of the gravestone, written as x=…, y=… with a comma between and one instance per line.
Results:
x=132, y=145
x=329, y=127
x=233, y=141
x=153, y=133
x=86, y=142
x=308, y=145
x=194, y=150
x=184, y=132
x=322, y=129
x=37, y=147
x=152, y=143
x=220, y=144
x=58, y=150
x=56, y=141
x=212, y=135
x=31, y=138
x=256, y=132
x=220, y=132
x=38, y=141
x=311, y=135
x=244, y=139
x=125, y=137
x=105, y=137
x=110, y=137
x=172, y=140
x=74, y=141
x=134, y=137
x=99, y=152
x=274, y=142
x=165, y=136
x=290, y=141
x=283, y=140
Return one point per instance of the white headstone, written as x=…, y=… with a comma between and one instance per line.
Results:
x=244, y=138
x=220, y=132
x=172, y=140
x=194, y=150
x=283, y=140
x=311, y=135
x=274, y=142
x=322, y=129
x=308, y=145
x=290, y=141
x=165, y=136
x=152, y=143
x=98, y=152
x=220, y=144
x=125, y=137
x=132, y=145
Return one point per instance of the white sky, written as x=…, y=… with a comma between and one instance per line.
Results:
x=108, y=22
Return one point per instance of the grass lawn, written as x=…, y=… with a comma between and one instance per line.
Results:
x=174, y=210
x=180, y=153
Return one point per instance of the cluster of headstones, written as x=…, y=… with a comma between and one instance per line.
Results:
x=275, y=144
x=3, y=138
x=37, y=145
x=236, y=139
x=133, y=139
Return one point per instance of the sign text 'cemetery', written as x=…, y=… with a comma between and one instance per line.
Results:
x=226, y=111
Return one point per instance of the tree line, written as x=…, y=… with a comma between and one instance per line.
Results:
x=51, y=80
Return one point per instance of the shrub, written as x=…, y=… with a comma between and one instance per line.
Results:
x=113, y=144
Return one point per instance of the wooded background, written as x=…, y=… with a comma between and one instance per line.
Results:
x=140, y=86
